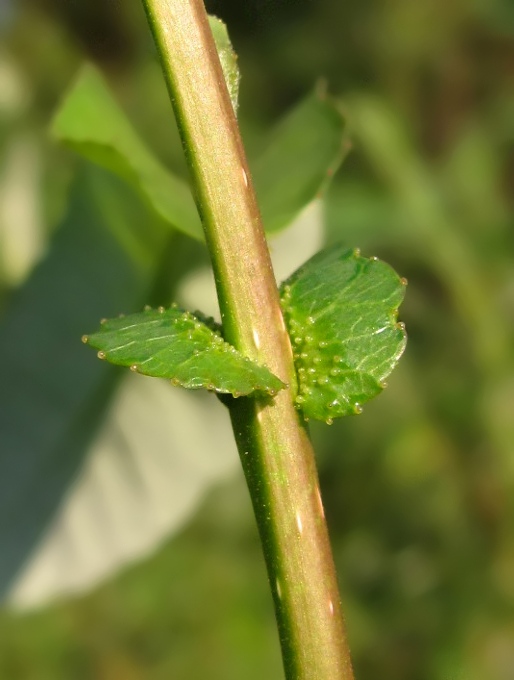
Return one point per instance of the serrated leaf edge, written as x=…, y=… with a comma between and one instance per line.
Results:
x=285, y=293
x=216, y=329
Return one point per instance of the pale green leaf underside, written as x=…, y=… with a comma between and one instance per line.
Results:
x=47, y=379
x=175, y=344
x=228, y=58
x=341, y=312
x=148, y=469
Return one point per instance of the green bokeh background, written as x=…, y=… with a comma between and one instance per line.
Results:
x=419, y=489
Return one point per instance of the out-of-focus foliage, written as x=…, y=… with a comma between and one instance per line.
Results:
x=293, y=167
x=418, y=491
x=91, y=122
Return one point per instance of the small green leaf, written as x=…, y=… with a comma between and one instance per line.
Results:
x=175, y=344
x=91, y=122
x=228, y=58
x=303, y=152
x=341, y=312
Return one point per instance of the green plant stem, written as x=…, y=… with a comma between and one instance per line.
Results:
x=275, y=449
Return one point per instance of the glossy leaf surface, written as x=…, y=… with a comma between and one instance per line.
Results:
x=341, y=310
x=175, y=344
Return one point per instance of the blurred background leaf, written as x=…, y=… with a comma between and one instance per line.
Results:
x=43, y=441
x=418, y=491
x=90, y=122
x=298, y=159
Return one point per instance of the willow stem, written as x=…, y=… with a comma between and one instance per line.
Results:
x=273, y=443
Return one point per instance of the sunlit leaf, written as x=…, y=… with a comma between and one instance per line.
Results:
x=175, y=344
x=91, y=122
x=341, y=312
